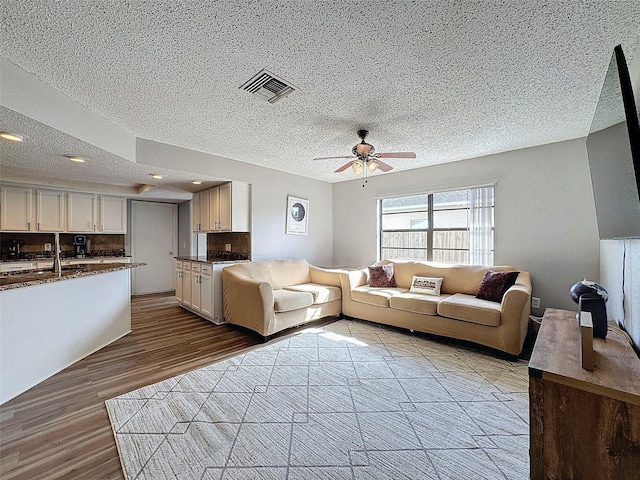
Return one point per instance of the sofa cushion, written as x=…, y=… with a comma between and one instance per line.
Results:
x=470, y=309
x=382, y=276
x=287, y=300
x=375, y=296
x=416, y=303
x=495, y=284
x=321, y=293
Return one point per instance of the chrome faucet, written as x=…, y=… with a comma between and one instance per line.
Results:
x=56, y=256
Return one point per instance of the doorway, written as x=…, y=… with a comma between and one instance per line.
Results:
x=154, y=241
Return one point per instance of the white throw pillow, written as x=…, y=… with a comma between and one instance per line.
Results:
x=428, y=285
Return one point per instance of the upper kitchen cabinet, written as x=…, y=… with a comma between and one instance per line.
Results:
x=82, y=212
x=231, y=207
x=224, y=208
x=50, y=211
x=87, y=212
x=112, y=214
x=205, y=209
x=195, y=213
x=17, y=209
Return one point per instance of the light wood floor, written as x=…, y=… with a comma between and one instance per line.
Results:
x=60, y=428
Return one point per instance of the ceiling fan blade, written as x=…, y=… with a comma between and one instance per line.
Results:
x=344, y=167
x=383, y=167
x=333, y=158
x=395, y=155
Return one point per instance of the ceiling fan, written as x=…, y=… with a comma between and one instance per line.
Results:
x=365, y=160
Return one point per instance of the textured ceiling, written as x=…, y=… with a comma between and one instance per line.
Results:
x=447, y=80
x=41, y=160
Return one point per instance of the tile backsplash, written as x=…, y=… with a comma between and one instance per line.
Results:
x=240, y=243
x=24, y=246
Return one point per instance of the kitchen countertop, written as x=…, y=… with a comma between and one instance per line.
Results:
x=209, y=259
x=63, y=259
x=27, y=278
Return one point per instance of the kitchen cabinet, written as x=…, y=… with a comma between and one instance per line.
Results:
x=179, y=275
x=196, y=293
x=113, y=214
x=195, y=213
x=206, y=291
x=230, y=208
x=199, y=289
x=25, y=209
x=50, y=211
x=201, y=208
x=81, y=212
x=87, y=212
x=16, y=209
x=205, y=209
x=186, y=285
x=223, y=208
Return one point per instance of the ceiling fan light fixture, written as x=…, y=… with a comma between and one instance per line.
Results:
x=363, y=148
x=358, y=167
x=372, y=165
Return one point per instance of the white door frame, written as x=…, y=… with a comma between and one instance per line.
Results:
x=174, y=235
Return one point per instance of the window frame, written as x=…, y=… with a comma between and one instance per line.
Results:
x=430, y=229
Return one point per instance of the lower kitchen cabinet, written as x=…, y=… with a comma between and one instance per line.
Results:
x=199, y=288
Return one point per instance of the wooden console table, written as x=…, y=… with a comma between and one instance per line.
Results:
x=583, y=424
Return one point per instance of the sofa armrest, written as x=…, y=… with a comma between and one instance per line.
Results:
x=247, y=302
x=515, y=300
x=354, y=278
x=515, y=309
x=325, y=276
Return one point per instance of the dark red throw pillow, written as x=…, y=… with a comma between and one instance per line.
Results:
x=495, y=284
x=382, y=276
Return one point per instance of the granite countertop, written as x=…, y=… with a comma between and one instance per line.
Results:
x=210, y=259
x=27, y=278
x=63, y=259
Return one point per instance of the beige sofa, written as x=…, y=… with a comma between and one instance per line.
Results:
x=455, y=313
x=273, y=295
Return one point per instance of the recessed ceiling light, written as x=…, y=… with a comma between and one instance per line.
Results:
x=196, y=182
x=157, y=176
x=75, y=158
x=14, y=137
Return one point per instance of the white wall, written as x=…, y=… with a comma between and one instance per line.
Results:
x=269, y=190
x=544, y=215
x=620, y=275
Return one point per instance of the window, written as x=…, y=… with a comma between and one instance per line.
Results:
x=450, y=227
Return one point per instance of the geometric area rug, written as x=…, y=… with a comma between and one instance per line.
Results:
x=350, y=400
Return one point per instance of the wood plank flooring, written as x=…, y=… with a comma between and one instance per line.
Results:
x=60, y=427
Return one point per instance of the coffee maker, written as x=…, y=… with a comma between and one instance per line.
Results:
x=80, y=244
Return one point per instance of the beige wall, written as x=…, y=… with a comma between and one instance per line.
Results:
x=544, y=215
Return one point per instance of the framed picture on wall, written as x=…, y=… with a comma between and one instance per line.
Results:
x=297, y=215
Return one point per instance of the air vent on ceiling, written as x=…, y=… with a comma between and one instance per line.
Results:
x=268, y=87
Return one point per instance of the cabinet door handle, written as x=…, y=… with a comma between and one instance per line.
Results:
x=38, y=226
x=102, y=228
x=94, y=228
x=28, y=225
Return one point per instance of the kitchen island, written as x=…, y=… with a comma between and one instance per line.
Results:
x=49, y=320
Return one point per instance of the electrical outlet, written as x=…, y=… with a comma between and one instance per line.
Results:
x=535, y=302
x=47, y=247
x=227, y=247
